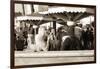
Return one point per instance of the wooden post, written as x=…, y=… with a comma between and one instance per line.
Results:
x=32, y=8
x=23, y=9
x=54, y=24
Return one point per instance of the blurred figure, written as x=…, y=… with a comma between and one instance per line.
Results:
x=20, y=40
x=30, y=35
x=69, y=41
x=59, y=38
x=40, y=39
x=25, y=34
x=19, y=44
x=51, y=40
x=87, y=36
x=84, y=38
x=78, y=31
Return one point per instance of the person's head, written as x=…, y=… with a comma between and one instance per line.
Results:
x=31, y=26
x=84, y=28
x=20, y=28
x=53, y=31
x=87, y=28
x=59, y=29
x=76, y=24
x=42, y=30
x=80, y=25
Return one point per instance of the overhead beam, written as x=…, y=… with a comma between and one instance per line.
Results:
x=69, y=17
x=60, y=16
x=77, y=16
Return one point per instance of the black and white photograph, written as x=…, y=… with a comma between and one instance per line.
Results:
x=50, y=34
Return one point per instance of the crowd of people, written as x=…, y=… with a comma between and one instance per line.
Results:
x=76, y=37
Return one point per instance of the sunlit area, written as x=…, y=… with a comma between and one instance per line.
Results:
x=87, y=20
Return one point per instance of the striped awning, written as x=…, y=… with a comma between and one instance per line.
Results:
x=68, y=13
x=39, y=18
x=67, y=9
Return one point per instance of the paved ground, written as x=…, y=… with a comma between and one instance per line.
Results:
x=34, y=58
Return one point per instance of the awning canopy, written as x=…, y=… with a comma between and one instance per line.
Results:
x=33, y=19
x=63, y=9
x=67, y=9
x=61, y=15
x=37, y=20
x=68, y=13
x=21, y=18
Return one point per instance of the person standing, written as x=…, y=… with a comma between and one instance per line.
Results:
x=20, y=40
x=51, y=40
x=78, y=32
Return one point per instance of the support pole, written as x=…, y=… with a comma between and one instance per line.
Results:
x=54, y=24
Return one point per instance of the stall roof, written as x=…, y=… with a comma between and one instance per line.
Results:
x=37, y=20
x=20, y=18
x=67, y=9
x=62, y=13
x=33, y=19
x=68, y=13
